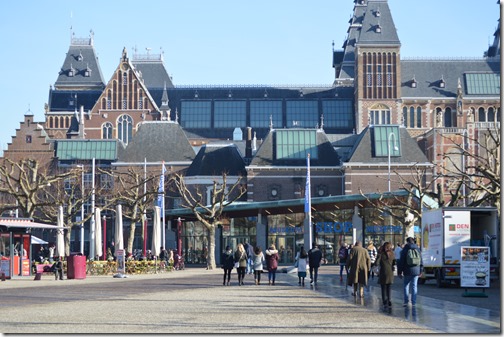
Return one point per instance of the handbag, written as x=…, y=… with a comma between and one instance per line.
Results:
x=296, y=264
x=376, y=269
x=237, y=265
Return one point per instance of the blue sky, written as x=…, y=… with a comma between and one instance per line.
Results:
x=215, y=42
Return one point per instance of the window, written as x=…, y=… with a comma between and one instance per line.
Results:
x=296, y=144
x=379, y=114
x=389, y=75
x=260, y=112
x=419, y=117
x=68, y=184
x=125, y=78
x=369, y=76
x=230, y=114
x=338, y=114
x=379, y=75
x=481, y=115
x=107, y=130
x=124, y=128
x=385, y=137
x=448, y=117
x=88, y=181
x=196, y=114
x=124, y=103
x=28, y=139
x=106, y=182
x=302, y=114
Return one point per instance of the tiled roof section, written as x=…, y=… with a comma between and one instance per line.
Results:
x=327, y=156
x=363, y=150
x=61, y=100
x=428, y=72
x=378, y=14
x=86, y=149
x=214, y=160
x=80, y=58
x=154, y=74
x=158, y=141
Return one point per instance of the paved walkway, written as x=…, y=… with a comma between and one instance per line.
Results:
x=194, y=301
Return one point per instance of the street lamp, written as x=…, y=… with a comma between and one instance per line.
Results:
x=82, y=210
x=395, y=149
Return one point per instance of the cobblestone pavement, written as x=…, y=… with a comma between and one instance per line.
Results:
x=189, y=301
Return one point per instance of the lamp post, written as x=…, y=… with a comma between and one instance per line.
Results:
x=395, y=148
x=82, y=210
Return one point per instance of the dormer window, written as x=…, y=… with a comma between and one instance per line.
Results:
x=80, y=57
x=413, y=82
x=196, y=94
x=377, y=13
x=87, y=72
x=442, y=82
x=378, y=28
x=71, y=71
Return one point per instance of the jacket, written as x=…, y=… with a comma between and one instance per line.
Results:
x=272, y=259
x=314, y=257
x=227, y=259
x=386, y=264
x=403, y=268
x=241, y=258
x=358, y=264
x=257, y=261
x=302, y=262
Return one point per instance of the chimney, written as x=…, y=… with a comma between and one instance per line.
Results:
x=248, y=143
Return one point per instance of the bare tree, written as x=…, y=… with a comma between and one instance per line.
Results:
x=472, y=167
x=136, y=192
x=209, y=213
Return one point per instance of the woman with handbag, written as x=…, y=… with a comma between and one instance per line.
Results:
x=386, y=262
x=240, y=259
x=227, y=264
x=301, y=261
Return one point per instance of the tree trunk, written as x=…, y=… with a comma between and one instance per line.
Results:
x=211, y=249
x=67, y=240
x=131, y=237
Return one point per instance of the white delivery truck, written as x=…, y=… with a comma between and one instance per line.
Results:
x=445, y=230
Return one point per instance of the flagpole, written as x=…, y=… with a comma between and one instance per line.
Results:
x=144, y=218
x=308, y=222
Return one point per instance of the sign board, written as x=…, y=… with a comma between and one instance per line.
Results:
x=457, y=234
x=5, y=267
x=475, y=267
x=120, y=262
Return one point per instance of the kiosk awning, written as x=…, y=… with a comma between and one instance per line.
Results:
x=25, y=223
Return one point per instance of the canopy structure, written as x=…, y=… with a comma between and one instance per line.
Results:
x=38, y=241
x=24, y=223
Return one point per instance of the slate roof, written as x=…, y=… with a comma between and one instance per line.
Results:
x=327, y=156
x=153, y=73
x=156, y=142
x=368, y=34
x=428, y=74
x=363, y=150
x=84, y=48
x=215, y=159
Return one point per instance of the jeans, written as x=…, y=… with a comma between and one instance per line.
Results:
x=272, y=275
x=413, y=281
x=314, y=273
x=343, y=266
x=249, y=265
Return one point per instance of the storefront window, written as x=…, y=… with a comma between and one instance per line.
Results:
x=332, y=229
x=195, y=243
x=239, y=230
x=286, y=232
x=380, y=227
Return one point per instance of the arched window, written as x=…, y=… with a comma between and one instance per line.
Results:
x=51, y=122
x=481, y=115
x=124, y=128
x=448, y=117
x=419, y=117
x=405, y=116
x=379, y=114
x=491, y=114
x=412, y=117
x=107, y=130
x=125, y=78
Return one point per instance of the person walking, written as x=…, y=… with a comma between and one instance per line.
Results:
x=359, y=264
x=411, y=269
x=257, y=264
x=386, y=262
x=250, y=254
x=397, y=254
x=240, y=257
x=314, y=258
x=227, y=264
x=372, y=255
x=272, y=263
x=302, y=260
x=343, y=256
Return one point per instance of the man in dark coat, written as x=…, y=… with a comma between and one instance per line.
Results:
x=314, y=258
x=359, y=265
x=411, y=273
x=249, y=249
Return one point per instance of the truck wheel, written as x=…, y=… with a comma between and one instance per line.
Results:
x=439, y=279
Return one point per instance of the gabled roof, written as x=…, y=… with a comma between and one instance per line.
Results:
x=265, y=155
x=429, y=72
x=86, y=149
x=363, y=151
x=214, y=160
x=156, y=142
x=81, y=57
x=152, y=70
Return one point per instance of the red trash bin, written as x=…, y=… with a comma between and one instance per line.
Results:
x=76, y=267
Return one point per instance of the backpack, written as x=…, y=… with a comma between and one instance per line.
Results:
x=342, y=253
x=413, y=257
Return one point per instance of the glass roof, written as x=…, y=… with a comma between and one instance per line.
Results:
x=87, y=149
x=386, y=137
x=483, y=84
